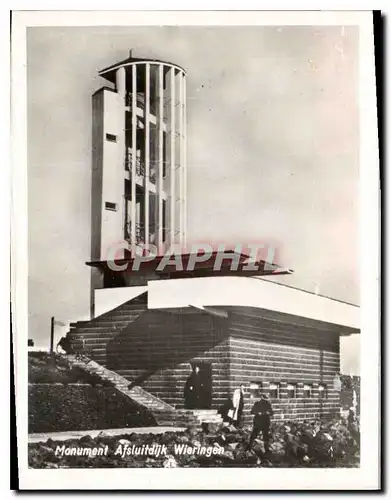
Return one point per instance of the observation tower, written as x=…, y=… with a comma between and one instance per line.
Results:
x=139, y=157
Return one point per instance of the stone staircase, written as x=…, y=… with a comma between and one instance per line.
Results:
x=92, y=338
x=94, y=335
x=163, y=413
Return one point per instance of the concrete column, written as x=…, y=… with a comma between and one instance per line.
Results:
x=160, y=164
x=172, y=155
x=120, y=164
x=184, y=164
x=147, y=147
x=134, y=154
x=121, y=83
x=180, y=132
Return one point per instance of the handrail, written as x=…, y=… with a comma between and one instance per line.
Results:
x=140, y=101
x=140, y=166
x=139, y=163
x=140, y=232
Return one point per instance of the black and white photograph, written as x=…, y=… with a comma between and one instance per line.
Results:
x=190, y=290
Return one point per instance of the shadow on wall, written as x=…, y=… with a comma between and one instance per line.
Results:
x=250, y=322
x=160, y=340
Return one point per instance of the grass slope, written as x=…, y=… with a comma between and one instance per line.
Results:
x=65, y=398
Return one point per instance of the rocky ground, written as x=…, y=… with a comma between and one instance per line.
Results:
x=308, y=444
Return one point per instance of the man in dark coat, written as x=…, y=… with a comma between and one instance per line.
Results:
x=193, y=389
x=262, y=411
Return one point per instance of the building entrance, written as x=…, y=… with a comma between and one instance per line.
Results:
x=205, y=374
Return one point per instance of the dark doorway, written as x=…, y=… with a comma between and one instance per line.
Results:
x=205, y=373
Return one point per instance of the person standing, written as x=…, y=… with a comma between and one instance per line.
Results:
x=193, y=389
x=262, y=411
x=235, y=413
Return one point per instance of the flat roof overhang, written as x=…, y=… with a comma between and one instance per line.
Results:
x=188, y=268
x=109, y=72
x=263, y=298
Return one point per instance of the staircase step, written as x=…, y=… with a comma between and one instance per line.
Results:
x=113, y=316
x=197, y=412
x=120, y=315
x=163, y=413
x=207, y=416
x=99, y=337
x=101, y=328
x=135, y=306
x=126, y=312
x=93, y=323
x=101, y=334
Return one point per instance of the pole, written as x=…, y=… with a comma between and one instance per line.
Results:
x=52, y=335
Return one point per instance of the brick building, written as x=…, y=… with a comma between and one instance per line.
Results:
x=151, y=325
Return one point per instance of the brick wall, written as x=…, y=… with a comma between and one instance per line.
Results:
x=266, y=352
x=156, y=351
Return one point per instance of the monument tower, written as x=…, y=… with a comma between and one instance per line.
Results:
x=139, y=157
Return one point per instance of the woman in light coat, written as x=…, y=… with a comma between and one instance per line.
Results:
x=235, y=413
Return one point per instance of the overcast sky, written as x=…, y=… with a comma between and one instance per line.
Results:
x=272, y=151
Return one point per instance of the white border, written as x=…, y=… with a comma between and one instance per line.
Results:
x=259, y=479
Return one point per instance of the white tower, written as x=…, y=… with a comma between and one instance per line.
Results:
x=139, y=157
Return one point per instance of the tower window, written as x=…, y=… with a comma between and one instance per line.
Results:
x=110, y=206
x=111, y=138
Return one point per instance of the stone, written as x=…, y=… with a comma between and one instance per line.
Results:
x=87, y=439
x=248, y=456
x=221, y=440
x=182, y=439
x=170, y=462
x=259, y=450
x=124, y=442
x=212, y=427
x=45, y=449
x=103, y=434
x=228, y=455
x=192, y=430
x=303, y=449
x=277, y=448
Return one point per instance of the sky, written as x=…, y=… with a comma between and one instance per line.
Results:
x=272, y=152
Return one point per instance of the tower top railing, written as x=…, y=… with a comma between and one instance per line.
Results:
x=140, y=101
